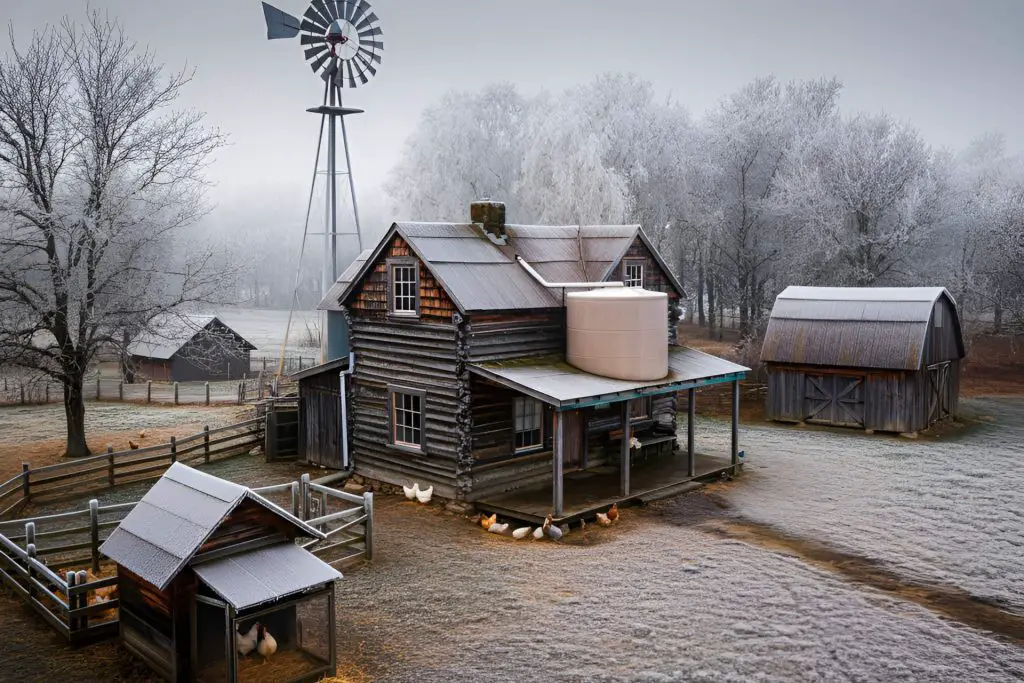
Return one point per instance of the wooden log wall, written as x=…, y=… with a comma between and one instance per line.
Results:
x=503, y=337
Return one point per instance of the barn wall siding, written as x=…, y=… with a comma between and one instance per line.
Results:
x=320, y=418
x=370, y=297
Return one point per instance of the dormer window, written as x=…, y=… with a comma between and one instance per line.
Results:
x=404, y=288
x=633, y=273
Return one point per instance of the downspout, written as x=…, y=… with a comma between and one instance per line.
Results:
x=563, y=285
x=345, y=464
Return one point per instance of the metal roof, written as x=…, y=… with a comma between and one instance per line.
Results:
x=167, y=335
x=552, y=380
x=173, y=520
x=863, y=327
x=265, y=574
x=481, y=275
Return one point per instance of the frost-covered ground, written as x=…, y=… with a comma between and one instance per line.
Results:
x=947, y=510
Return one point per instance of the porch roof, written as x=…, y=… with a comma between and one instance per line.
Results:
x=551, y=380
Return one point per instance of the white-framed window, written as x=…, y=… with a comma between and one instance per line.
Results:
x=529, y=423
x=405, y=290
x=406, y=417
x=633, y=273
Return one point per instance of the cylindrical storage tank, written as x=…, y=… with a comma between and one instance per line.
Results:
x=619, y=332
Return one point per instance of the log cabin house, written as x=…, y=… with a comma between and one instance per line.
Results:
x=201, y=559
x=457, y=374
x=876, y=358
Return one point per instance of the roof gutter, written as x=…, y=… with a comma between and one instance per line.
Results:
x=563, y=285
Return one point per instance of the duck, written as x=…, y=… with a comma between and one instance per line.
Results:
x=425, y=495
x=411, y=491
x=538, y=533
x=488, y=522
x=498, y=528
x=521, y=532
x=603, y=520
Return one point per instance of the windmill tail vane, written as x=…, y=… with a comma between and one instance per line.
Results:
x=341, y=39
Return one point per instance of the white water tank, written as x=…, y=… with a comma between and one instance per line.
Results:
x=619, y=332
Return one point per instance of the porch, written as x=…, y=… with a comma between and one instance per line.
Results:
x=626, y=468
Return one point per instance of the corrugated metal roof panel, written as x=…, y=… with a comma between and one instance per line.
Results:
x=845, y=343
x=493, y=286
x=265, y=574
x=167, y=335
x=518, y=232
x=863, y=293
x=560, y=271
x=414, y=229
x=164, y=529
x=467, y=249
x=556, y=382
x=330, y=300
x=539, y=250
x=606, y=248
x=610, y=231
x=141, y=557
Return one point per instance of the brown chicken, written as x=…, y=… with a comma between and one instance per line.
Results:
x=613, y=512
x=132, y=445
x=488, y=522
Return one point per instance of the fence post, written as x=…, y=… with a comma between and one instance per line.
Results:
x=295, y=498
x=207, y=393
x=47, y=392
x=83, y=598
x=305, y=496
x=120, y=391
x=22, y=394
x=241, y=393
x=206, y=443
x=94, y=531
x=149, y=391
x=175, y=393
x=368, y=534
x=98, y=394
x=69, y=579
x=174, y=450
x=300, y=363
x=30, y=534
x=259, y=381
x=30, y=550
x=110, y=464
x=24, y=480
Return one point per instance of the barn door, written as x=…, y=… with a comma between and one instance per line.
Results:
x=834, y=399
x=939, y=399
x=323, y=426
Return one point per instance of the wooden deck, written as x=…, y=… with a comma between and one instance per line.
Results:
x=589, y=491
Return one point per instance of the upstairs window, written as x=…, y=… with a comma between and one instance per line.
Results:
x=529, y=421
x=405, y=288
x=406, y=417
x=633, y=273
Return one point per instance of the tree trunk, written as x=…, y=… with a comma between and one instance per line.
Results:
x=742, y=282
x=701, y=319
x=997, y=318
x=711, y=305
x=74, y=409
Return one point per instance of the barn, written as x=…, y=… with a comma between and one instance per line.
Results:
x=196, y=348
x=876, y=358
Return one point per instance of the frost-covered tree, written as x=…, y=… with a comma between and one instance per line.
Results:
x=98, y=173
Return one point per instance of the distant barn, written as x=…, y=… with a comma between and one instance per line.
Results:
x=878, y=358
x=189, y=348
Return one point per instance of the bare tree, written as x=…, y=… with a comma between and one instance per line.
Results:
x=98, y=172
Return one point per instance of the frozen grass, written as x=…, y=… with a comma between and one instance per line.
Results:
x=950, y=511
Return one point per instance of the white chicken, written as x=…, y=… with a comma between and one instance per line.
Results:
x=538, y=533
x=267, y=645
x=498, y=528
x=247, y=643
x=411, y=491
x=424, y=495
x=521, y=532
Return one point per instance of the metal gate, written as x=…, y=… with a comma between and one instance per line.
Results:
x=834, y=399
x=939, y=392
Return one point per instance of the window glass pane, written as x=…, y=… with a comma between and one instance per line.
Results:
x=407, y=415
x=527, y=420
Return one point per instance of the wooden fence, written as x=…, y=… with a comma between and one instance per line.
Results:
x=41, y=558
x=37, y=392
x=74, y=479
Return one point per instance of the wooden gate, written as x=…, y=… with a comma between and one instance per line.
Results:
x=939, y=392
x=320, y=428
x=834, y=399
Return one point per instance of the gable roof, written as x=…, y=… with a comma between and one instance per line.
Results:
x=480, y=275
x=167, y=335
x=865, y=327
x=176, y=516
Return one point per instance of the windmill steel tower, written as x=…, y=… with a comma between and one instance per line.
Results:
x=342, y=43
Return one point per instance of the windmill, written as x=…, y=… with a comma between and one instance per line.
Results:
x=342, y=43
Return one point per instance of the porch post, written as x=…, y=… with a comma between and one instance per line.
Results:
x=557, y=479
x=735, y=424
x=691, y=413
x=624, y=477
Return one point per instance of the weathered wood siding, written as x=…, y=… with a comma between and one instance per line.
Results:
x=370, y=298
x=248, y=522
x=146, y=623
x=502, y=337
x=943, y=343
x=320, y=419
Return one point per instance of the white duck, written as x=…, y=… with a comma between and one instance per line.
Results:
x=498, y=528
x=411, y=491
x=521, y=532
x=425, y=495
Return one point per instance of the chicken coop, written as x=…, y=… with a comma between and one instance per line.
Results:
x=213, y=586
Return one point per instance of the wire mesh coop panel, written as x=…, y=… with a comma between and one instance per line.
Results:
x=301, y=632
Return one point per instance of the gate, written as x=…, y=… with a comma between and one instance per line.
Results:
x=939, y=395
x=834, y=399
x=320, y=423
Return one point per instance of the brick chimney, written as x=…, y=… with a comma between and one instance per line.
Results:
x=491, y=217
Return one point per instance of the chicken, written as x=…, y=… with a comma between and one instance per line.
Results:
x=488, y=522
x=551, y=530
x=613, y=512
x=132, y=445
x=142, y=434
x=267, y=645
x=498, y=528
x=538, y=533
x=247, y=643
x=603, y=520
x=411, y=492
x=521, y=532
x=425, y=495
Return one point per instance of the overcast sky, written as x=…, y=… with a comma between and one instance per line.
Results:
x=954, y=69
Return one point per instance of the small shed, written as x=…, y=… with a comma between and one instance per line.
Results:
x=200, y=562
x=189, y=348
x=877, y=358
x=321, y=413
